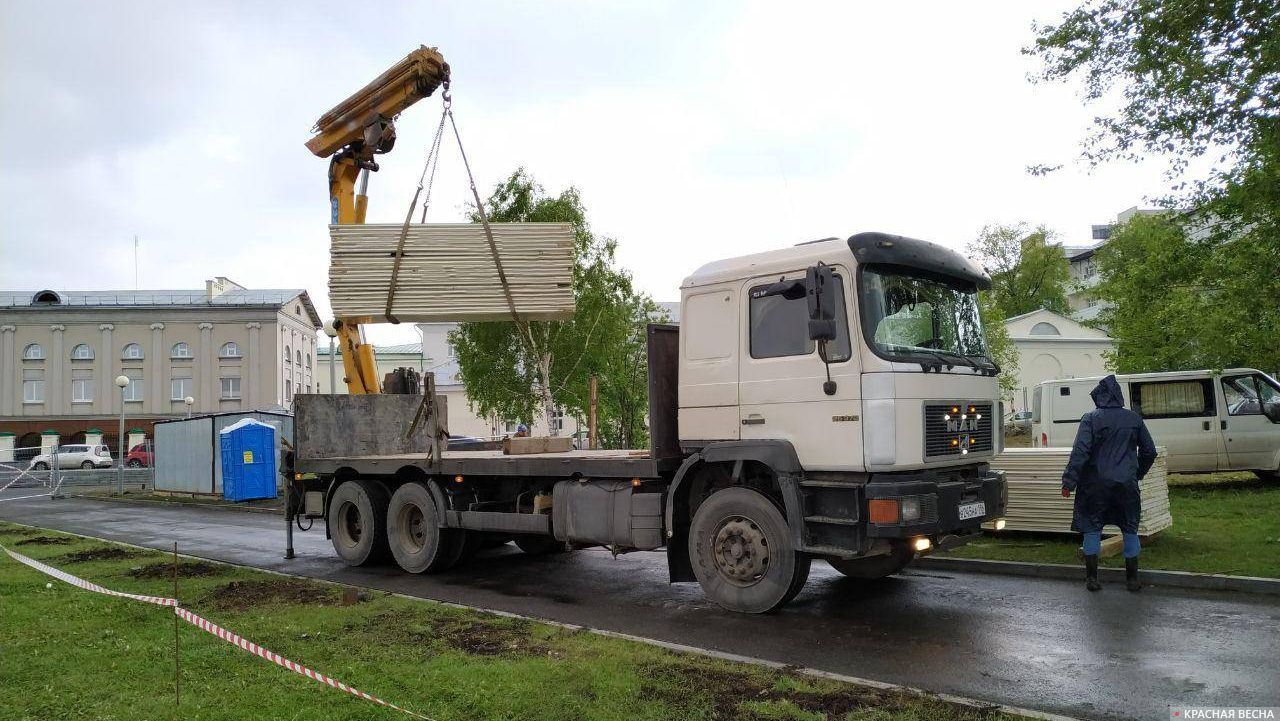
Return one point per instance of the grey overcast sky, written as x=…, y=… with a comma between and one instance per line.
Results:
x=694, y=130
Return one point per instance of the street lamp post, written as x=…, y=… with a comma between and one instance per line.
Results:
x=188, y=400
x=331, y=330
x=122, y=382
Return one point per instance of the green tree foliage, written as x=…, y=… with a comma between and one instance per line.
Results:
x=1172, y=310
x=1027, y=272
x=1194, y=79
x=520, y=374
x=999, y=345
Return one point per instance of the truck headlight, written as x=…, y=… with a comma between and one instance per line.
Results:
x=910, y=509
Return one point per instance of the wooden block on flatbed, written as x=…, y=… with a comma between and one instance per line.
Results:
x=542, y=444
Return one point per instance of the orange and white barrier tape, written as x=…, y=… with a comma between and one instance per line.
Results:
x=81, y=583
x=213, y=628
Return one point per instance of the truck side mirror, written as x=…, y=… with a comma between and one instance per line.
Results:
x=822, y=317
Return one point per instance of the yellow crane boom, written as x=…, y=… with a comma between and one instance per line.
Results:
x=350, y=135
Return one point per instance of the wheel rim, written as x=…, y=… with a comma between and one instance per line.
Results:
x=413, y=527
x=351, y=523
x=741, y=551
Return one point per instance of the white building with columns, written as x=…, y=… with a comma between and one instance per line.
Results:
x=227, y=347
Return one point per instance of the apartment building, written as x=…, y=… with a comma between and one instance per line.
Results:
x=226, y=347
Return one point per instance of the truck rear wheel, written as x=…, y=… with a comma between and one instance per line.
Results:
x=358, y=522
x=873, y=567
x=742, y=553
x=418, y=540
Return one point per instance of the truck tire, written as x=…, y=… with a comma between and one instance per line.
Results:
x=873, y=567
x=358, y=522
x=539, y=545
x=1268, y=476
x=41, y=466
x=742, y=554
x=418, y=540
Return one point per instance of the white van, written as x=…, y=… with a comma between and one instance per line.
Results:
x=1228, y=421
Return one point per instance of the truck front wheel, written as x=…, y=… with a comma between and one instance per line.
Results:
x=419, y=542
x=742, y=553
x=873, y=567
x=358, y=522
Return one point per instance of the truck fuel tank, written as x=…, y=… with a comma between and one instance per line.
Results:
x=607, y=513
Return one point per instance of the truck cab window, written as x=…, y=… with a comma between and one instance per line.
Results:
x=780, y=327
x=912, y=318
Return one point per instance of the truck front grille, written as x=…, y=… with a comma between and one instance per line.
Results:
x=950, y=428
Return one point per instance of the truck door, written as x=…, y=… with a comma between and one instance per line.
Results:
x=1182, y=416
x=1252, y=439
x=781, y=378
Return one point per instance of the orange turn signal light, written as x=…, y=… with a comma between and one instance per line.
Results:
x=457, y=479
x=883, y=510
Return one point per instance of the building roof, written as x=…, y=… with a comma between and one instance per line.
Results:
x=400, y=348
x=1046, y=325
x=234, y=298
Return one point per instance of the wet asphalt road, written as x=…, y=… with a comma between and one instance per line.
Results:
x=1040, y=644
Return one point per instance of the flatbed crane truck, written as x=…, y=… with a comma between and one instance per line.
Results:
x=831, y=400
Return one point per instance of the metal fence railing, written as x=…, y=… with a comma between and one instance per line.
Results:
x=55, y=468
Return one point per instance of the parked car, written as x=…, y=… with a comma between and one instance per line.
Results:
x=140, y=456
x=581, y=439
x=1209, y=421
x=1017, y=423
x=74, y=456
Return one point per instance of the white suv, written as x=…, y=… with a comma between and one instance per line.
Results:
x=75, y=456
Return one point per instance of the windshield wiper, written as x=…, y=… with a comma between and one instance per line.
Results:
x=964, y=359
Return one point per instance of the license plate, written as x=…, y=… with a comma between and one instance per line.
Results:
x=970, y=511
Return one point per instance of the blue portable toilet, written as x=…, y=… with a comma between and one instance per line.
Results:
x=248, y=460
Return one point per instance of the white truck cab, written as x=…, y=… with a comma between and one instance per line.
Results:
x=908, y=348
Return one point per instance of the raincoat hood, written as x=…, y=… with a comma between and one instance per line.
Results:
x=1107, y=394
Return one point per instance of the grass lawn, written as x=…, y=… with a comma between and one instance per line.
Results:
x=71, y=654
x=1222, y=523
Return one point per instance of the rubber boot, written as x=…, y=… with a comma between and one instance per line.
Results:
x=1091, y=573
x=1131, y=574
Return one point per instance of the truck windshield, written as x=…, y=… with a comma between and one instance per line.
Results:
x=914, y=318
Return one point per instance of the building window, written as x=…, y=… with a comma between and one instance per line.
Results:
x=288, y=358
x=1045, y=329
x=299, y=354
x=82, y=352
x=179, y=388
x=229, y=350
x=308, y=388
x=133, y=351
x=557, y=420
x=33, y=352
x=288, y=390
x=308, y=360
x=133, y=391
x=180, y=350
x=230, y=389
x=33, y=391
x=82, y=390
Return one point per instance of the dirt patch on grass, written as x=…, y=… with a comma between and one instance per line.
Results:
x=243, y=595
x=99, y=553
x=693, y=686
x=186, y=569
x=46, y=541
x=475, y=636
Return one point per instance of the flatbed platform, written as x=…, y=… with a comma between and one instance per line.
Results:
x=636, y=463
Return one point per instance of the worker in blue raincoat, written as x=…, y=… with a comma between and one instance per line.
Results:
x=1113, y=450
